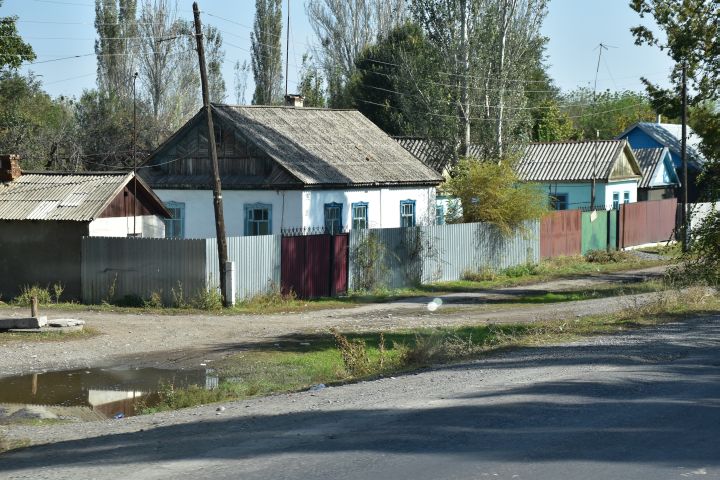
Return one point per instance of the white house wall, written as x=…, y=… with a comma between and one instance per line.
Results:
x=295, y=208
x=383, y=205
x=606, y=197
x=146, y=226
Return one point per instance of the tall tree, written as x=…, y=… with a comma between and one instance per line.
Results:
x=507, y=48
x=116, y=46
x=311, y=83
x=691, y=37
x=13, y=50
x=240, y=81
x=267, y=52
x=344, y=28
x=215, y=59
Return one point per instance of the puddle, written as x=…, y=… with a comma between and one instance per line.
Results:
x=102, y=392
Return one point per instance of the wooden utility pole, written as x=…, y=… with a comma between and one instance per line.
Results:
x=287, y=49
x=683, y=157
x=217, y=189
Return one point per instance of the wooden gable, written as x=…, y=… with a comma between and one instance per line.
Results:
x=626, y=166
x=184, y=160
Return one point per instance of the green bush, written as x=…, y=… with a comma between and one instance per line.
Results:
x=27, y=292
x=209, y=299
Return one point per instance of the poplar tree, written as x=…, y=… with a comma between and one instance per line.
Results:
x=266, y=52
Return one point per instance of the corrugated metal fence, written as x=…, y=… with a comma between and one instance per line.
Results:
x=647, y=222
x=561, y=234
x=402, y=257
x=113, y=268
x=257, y=263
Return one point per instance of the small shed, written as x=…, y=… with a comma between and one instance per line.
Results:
x=44, y=215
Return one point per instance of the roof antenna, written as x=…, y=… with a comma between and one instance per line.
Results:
x=600, y=49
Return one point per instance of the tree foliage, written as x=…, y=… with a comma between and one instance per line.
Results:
x=267, y=52
x=344, y=28
x=311, y=83
x=692, y=38
x=491, y=192
x=398, y=85
x=13, y=50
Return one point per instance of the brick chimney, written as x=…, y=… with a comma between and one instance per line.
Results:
x=9, y=168
x=294, y=100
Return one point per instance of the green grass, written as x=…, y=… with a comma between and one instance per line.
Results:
x=302, y=361
x=7, y=445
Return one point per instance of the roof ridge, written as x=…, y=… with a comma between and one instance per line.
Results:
x=568, y=142
x=286, y=107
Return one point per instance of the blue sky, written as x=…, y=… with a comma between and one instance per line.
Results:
x=60, y=28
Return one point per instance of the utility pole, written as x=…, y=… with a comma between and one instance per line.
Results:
x=683, y=156
x=464, y=97
x=217, y=189
x=134, y=154
x=600, y=48
x=287, y=48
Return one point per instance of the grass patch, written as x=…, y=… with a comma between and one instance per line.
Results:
x=86, y=332
x=7, y=445
x=334, y=358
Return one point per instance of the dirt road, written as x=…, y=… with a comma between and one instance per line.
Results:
x=165, y=341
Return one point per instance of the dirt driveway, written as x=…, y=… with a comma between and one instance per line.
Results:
x=165, y=341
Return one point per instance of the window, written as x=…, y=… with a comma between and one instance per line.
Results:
x=175, y=226
x=616, y=200
x=359, y=215
x=626, y=197
x=258, y=219
x=559, y=201
x=439, y=214
x=407, y=213
x=333, y=217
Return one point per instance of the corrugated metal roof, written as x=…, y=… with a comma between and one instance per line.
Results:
x=648, y=159
x=432, y=153
x=59, y=196
x=569, y=161
x=331, y=147
x=670, y=135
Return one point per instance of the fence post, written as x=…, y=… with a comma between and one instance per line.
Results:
x=230, y=293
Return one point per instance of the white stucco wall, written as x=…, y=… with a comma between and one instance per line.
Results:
x=295, y=208
x=147, y=226
x=383, y=205
x=606, y=197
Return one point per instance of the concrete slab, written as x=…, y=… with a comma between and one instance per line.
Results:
x=74, y=328
x=20, y=322
x=65, y=322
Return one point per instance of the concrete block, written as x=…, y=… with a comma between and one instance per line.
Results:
x=20, y=322
x=65, y=322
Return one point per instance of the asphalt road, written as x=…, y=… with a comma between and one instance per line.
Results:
x=642, y=405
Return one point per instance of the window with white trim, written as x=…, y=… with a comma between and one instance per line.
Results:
x=616, y=200
x=626, y=197
x=407, y=213
x=258, y=219
x=359, y=215
x=175, y=225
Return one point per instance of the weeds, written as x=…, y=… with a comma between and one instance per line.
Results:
x=28, y=292
x=178, y=296
x=354, y=354
x=58, y=289
x=154, y=300
x=209, y=299
x=605, y=256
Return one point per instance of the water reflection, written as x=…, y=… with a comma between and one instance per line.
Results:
x=108, y=392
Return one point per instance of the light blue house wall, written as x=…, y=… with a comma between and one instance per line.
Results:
x=579, y=194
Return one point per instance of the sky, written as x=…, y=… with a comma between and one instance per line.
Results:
x=575, y=28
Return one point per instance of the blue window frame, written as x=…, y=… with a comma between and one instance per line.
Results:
x=559, y=201
x=359, y=215
x=439, y=214
x=616, y=200
x=626, y=197
x=333, y=217
x=407, y=213
x=258, y=219
x=175, y=226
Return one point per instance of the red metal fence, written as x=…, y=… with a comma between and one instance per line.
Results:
x=646, y=222
x=561, y=234
x=314, y=266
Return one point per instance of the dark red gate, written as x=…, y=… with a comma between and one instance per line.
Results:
x=315, y=266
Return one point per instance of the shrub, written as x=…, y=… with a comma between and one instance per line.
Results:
x=485, y=274
x=604, y=256
x=274, y=297
x=354, y=354
x=58, y=289
x=523, y=270
x=154, y=301
x=209, y=299
x=27, y=292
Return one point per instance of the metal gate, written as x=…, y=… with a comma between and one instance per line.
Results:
x=314, y=266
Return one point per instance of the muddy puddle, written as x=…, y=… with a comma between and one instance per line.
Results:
x=89, y=394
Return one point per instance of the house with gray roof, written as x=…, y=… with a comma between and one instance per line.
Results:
x=44, y=215
x=569, y=171
x=659, y=178
x=288, y=167
x=669, y=135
